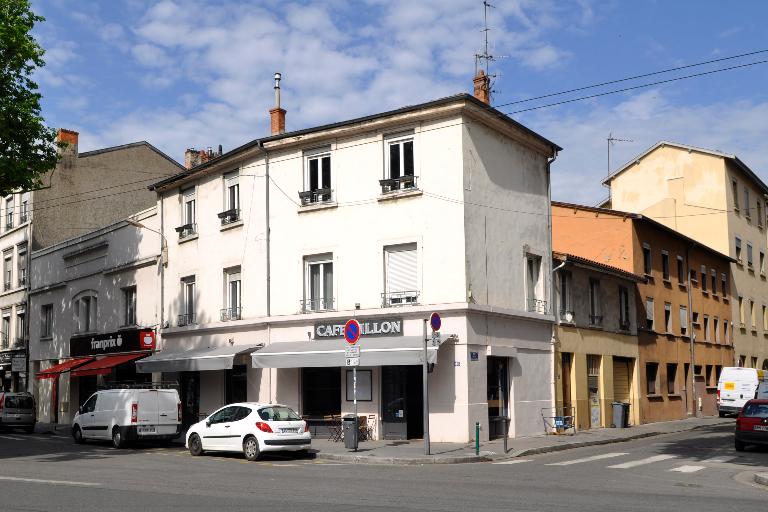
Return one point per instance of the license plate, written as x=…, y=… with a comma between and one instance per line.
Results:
x=761, y=427
x=289, y=431
x=148, y=429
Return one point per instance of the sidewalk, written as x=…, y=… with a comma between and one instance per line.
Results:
x=412, y=452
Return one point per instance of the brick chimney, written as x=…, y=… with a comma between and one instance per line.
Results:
x=194, y=157
x=482, y=87
x=277, y=114
x=69, y=137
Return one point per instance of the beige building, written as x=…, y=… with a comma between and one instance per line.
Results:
x=716, y=199
x=596, y=361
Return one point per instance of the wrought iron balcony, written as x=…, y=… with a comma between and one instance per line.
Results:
x=231, y=314
x=23, y=217
x=315, y=305
x=22, y=279
x=6, y=286
x=187, y=319
x=395, y=299
x=596, y=320
x=186, y=230
x=537, y=306
x=401, y=183
x=566, y=315
x=9, y=221
x=320, y=195
x=229, y=216
x=19, y=342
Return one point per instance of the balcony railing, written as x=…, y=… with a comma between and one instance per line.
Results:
x=6, y=286
x=23, y=217
x=401, y=183
x=320, y=195
x=3, y=340
x=9, y=221
x=314, y=305
x=231, y=314
x=19, y=342
x=537, y=306
x=394, y=299
x=596, y=320
x=187, y=319
x=229, y=216
x=566, y=315
x=22, y=279
x=186, y=230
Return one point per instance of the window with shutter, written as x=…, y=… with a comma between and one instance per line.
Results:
x=401, y=274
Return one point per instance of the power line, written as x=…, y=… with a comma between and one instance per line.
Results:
x=629, y=78
x=581, y=98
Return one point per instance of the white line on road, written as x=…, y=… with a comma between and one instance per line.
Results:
x=687, y=469
x=12, y=438
x=588, y=459
x=52, y=482
x=513, y=461
x=719, y=460
x=642, y=462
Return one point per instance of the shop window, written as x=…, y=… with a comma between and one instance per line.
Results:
x=318, y=286
x=129, y=305
x=364, y=386
x=401, y=275
x=651, y=374
x=672, y=379
x=320, y=392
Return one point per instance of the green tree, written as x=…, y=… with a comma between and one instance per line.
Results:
x=27, y=146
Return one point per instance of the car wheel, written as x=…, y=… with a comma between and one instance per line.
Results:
x=77, y=435
x=721, y=414
x=195, y=445
x=251, y=448
x=739, y=445
x=117, y=438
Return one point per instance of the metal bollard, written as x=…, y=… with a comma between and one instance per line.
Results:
x=477, y=438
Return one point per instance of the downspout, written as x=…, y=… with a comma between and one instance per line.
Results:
x=163, y=263
x=553, y=389
x=692, y=370
x=267, y=238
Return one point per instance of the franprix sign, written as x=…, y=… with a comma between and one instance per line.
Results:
x=369, y=328
x=129, y=340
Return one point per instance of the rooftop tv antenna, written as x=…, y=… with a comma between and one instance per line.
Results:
x=611, y=140
x=483, y=60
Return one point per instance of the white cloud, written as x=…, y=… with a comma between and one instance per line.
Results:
x=542, y=57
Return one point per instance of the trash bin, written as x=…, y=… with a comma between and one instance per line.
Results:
x=349, y=427
x=620, y=414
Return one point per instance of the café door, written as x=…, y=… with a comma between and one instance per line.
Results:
x=402, y=415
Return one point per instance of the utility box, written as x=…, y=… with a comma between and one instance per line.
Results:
x=349, y=428
x=620, y=414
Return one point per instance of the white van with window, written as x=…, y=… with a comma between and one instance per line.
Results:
x=123, y=415
x=736, y=386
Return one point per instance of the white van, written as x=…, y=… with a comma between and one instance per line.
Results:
x=737, y=385
x=122, y=415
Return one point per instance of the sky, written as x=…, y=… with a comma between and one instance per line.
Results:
x=199, y=73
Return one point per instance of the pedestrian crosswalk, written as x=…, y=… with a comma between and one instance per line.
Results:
x=679, y=465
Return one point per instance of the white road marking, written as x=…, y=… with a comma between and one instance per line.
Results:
x=588, y=459
x=642, y=462
x=51, y=482
x=513, y=461
x=719, y=460
x=687, y=469
x=12, y=438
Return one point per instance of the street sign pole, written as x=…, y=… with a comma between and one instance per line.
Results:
x=354, y=395
x=425, y=392
x=352, y=357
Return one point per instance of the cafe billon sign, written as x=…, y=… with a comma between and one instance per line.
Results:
x=368, y=328
x=129, y=340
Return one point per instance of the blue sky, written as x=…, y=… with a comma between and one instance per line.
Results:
x=197, y=73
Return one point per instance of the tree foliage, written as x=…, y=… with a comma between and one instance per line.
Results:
x=27, y=146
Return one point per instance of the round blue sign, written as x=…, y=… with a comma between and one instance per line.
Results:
x=435, y=322
x=352, y=331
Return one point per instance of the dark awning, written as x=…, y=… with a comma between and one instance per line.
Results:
x=104, y=365
x=381, y=351
x=209, y=358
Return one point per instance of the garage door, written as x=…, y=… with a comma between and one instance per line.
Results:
x=621, y=379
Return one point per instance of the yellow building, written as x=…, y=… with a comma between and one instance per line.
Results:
x=716, y=199
x=596, y=350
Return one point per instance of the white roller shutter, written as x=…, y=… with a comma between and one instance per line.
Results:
x=401, y=268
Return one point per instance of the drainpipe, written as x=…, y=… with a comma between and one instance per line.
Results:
x=694, y=396
x=163, y=263
x=553, y=389
x=267, y=237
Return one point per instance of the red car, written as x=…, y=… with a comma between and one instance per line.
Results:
x=752, y=424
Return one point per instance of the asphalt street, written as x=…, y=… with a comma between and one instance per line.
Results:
x=696, y=470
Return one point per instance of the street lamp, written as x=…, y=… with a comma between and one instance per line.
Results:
x=163, y=264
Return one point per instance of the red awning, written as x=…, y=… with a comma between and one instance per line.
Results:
x=104, y=365
x=55, y=370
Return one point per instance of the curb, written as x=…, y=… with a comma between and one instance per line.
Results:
x=761, y=478
x=401, y=461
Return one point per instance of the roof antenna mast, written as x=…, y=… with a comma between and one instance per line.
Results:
x=611, y=140
x=484, y=59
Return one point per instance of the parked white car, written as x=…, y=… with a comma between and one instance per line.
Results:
x=736, y=386
x=249, y=428
x=123, y=415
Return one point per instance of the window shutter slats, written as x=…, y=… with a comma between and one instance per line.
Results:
x=401, y=269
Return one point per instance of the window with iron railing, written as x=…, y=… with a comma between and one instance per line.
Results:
x=317, y=178
x=229, y=216
x=537, y=306
x=186, y=230
x=318, y=287
x=403, y=298
x=188, y=299
x=399, y=183
x=187, y=319
x=227, y=314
